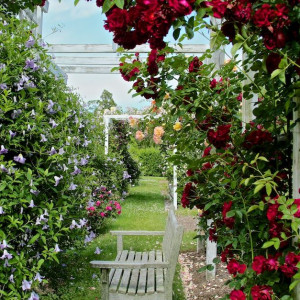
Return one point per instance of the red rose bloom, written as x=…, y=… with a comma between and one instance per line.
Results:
x=195, y=64
x=117, y=19
x=242, y=12
x=272, y=264
x=272, y=62
x=152, y=64
x=264, y=16
x=259, y=264
x=218, y=7
x=213, y=234
x=297, y=202
x=237, y=295
x=273, y=213
x=186, y=195
x=261, y=292
x=235, y=267
x=289, y=269
x=182, y=7
x=226, y=253
x=229, y=222
x=257, y=138
x=220, y=137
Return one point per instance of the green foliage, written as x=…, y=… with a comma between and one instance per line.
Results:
x=149, y=159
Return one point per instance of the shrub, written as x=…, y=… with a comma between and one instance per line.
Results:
x=150, y=160
x=46, y=143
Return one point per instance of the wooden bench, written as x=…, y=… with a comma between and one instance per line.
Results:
x=142, y=275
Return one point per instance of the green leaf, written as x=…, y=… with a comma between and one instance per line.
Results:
x=230, y=214
x=76, y=2
x=251, y=208
x=269, y=189
x=107, y=5
x=34, y=238
x=119, y=3
x=268, y=244
x=258, y=188
x=235, y=48
x=176, y=33
x=294, y=284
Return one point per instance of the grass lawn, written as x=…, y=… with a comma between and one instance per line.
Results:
x=142, y=210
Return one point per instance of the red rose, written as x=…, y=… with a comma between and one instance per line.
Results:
x=272, y=62
x=237, y=295
x=152, y=65
x=297, y=202
x=261, y=292
x=256, y=138
x=229, y=222
x=273, y=213
x=259, y=264
x=235, y=267
x=264, y=16
x=242, y=13
x=182, y=7
x=228, y=30
x=272, y=264
x=117, y=19
x=213, y=234
x=186, y=195
x=195, y=64
x=218, y=7
x=220, y=137
x=289, y=269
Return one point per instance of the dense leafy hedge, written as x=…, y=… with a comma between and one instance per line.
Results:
x=150, y=160
x=49, y=162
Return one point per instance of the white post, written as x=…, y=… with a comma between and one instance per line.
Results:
x=211, y=254
x=175, y=184
x=296, y=168
x=106, y=132
x=39, y=16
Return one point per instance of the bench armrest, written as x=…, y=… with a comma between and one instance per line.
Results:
x=120, y=235
x=132, y=232
x=127, y=265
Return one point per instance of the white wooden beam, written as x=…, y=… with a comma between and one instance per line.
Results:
x=175, y=183
x=108, y=48
x=88, y=69
x=67, y=60
x=211, y=254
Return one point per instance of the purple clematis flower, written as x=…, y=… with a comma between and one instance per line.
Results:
x=6, y=255
x=1, y=210
x=98, y=250
x=3, y=169
x=3, y=150
x=72, y=187
x=3, y=245
x=6, y=264
x=86, y=143
x=12, y=134
x=65, y=168
x=3, y=86
x=56, y=248
x=34, y=296
x=31, y=205
x=52, y=122
x=50, y=105
x=26, y=285
x=30, y=64
x=43, y=138
x=30, y=42
x=82, y=222
x=11, y=278
x=16, y=113
x=61, y=151
x=84, y=161
x=52, y=151
x=76, y=171
x=2, y=66
x=38, y=277
x=57, y=179
x=74, y=225
x=32, y=113
x=34, y=192
x=20, y=159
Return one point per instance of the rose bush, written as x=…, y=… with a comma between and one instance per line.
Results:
x=240, y=175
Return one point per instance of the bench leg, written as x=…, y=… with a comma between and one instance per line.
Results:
x=105, y=284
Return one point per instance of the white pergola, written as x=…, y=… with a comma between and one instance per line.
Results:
x=107, y=119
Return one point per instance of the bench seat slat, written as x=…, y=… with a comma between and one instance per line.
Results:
x=150, y=278
x=126, y=275
x=160, y=288
x=112, y=271
x=133, y=284
x=143, y=276
x=118, y=273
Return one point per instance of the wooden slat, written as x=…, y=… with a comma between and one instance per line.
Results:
x=151, y=280
x=142, y=232
x=126, y=275
x=112, y=271
x=134, y=276
x=160, y=288
x=67, y=60
x=88, y=69
x=143, y=276
x=117, y=275
x=108, y=48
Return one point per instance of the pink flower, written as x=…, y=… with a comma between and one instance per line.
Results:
x=109, y=208
x=261, y=292
x=102, y=214
x=98, y=203
x=237, y=295
x=259, y=264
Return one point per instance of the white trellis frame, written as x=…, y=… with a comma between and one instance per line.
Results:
x=107, y=119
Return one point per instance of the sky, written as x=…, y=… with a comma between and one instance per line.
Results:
x=83, y=24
